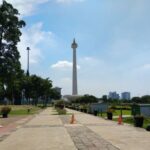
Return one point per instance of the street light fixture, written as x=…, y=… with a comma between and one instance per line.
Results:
x=28, y=49
x=5, y=99
x=27, y=90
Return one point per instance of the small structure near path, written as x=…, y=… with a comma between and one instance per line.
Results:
x=141, y=109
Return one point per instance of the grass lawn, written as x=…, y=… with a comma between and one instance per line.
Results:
x=117, y=113
x=23, y=109
x=129, y=120
x=124, y=112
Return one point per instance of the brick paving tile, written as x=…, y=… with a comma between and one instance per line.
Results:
x=84, y=138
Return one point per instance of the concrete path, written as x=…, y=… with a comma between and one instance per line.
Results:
x=44, y=132
x=124, y=137
x=48, y=131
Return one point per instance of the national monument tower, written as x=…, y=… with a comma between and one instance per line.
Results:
x=74, y=75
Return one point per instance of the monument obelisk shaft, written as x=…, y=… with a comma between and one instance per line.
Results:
x=74, y=75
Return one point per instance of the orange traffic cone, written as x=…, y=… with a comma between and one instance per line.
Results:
x=72, y=121
x=120, y=120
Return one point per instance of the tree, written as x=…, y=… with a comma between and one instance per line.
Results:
x=46, y=90
x=10, y=33
x=104, y=98
x=145, y=99
x=136, y=99
x=1, y=92
x=37, y=88
x=86, y=99
x=54, y=94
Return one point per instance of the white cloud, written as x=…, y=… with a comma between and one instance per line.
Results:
x=34, y=37
x=63, y=65
x=68, y=1
x=26, y=7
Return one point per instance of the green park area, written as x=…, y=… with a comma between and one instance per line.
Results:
x=19, y=110
x=91, y=105
x=130, y=120
x=22, y=110
x=10, y=114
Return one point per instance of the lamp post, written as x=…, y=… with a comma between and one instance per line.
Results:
x=5, y=99
x=22, y=94
x=27, y=90
x=121, y=109
x=28, y=49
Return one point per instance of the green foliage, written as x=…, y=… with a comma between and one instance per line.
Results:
x=110, y=110
x=143, y=99
x=10, y=67
x=25, y=111
x=130, y=120
x=86, y=99
x=60, y=107
x=118, y=107
x=60, y=104
x=104, y=98
x=54, y=94
x=36, y=87
x=13, y=80
x=1, y=91
x=61, y=111
x=136, y=99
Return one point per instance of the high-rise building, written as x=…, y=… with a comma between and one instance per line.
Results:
x=74, y=74
x=113, y=95
x=126, y=95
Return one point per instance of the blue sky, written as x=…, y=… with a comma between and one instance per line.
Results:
x=113, y=38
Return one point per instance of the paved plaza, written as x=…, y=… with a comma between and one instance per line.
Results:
x=48, y=131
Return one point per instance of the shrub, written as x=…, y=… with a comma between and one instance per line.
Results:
x=60, y=104
x=61, y=111
x=113, y=107
x=28, y=110
x=5, y=111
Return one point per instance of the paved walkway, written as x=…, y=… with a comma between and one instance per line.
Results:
x=44, y=132
x=52, y=132
x=124, y=137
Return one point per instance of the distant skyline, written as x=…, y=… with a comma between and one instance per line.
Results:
x=113, y=43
